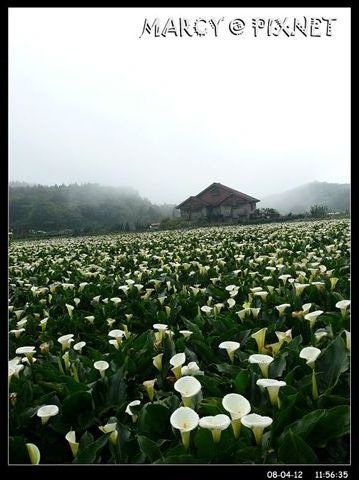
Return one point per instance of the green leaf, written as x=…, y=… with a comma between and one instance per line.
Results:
x=204, y=444
x=321, y=426
x=18, y=451
x=278, y=366
x=77, y=406
x=117, y=388
x=242, y=381
x=180, y=459
x=193, y=328
x=149, y=448
x=293, y=449
x=154, y=420
x=210, y=406
x=333, y=361
x=90, y=453
x=86, y=440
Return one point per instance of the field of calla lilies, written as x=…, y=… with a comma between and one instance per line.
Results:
x=225, y=345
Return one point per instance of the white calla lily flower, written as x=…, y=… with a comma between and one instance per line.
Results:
x=191, y=369
x=79, y=346
x=310, y=354
x=257, y=423
x=112, y=429
x=273, y=387
x=284, y=336
x=282, y=308
x=231, y=302
x=17, y=332
x=116, y=300
x=263, y=361
x=320, y=334
x=186, y=333
x=215, y=424
x=188, y=387
x=237, y=406
x=312, y=317
x=29, y=352
x=70, y=309
x=66, y=341
x=128, y=410
x=185, y=420
x=206, y=309
x=177, y=361
x=117, y=335
x=299, y=288
x=47, y=411
x=71, y=438
x=230, y=347
x=343, y=306
x=101, y=366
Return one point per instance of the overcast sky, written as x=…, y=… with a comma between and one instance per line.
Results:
x=90, y=101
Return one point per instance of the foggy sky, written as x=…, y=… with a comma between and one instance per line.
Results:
x=90, y=101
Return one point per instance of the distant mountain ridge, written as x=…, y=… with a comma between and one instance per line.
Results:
x=336, y=196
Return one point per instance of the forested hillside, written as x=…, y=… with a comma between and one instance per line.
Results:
x=80, y=208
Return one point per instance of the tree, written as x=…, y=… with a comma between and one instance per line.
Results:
x=319, y=211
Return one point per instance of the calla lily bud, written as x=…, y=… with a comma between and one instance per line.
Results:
x=347, y=339
x=110, y=428
x=150, y=388
x=259, y=337
x=71, y=438
x=34, y=453
x=157, y=361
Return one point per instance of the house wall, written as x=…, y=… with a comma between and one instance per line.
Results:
x=224, y=211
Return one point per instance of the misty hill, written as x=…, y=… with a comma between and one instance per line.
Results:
x=80, y=208
x=336, y=196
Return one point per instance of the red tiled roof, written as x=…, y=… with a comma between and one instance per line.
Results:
x=208, y=198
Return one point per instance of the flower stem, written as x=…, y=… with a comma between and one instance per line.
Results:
x=236, y=426
x=185, y=439
x=314, y=386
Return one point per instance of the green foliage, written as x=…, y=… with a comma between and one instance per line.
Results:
x=80, y=209
x=132, y=282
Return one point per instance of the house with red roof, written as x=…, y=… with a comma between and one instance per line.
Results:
x=219, y=203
